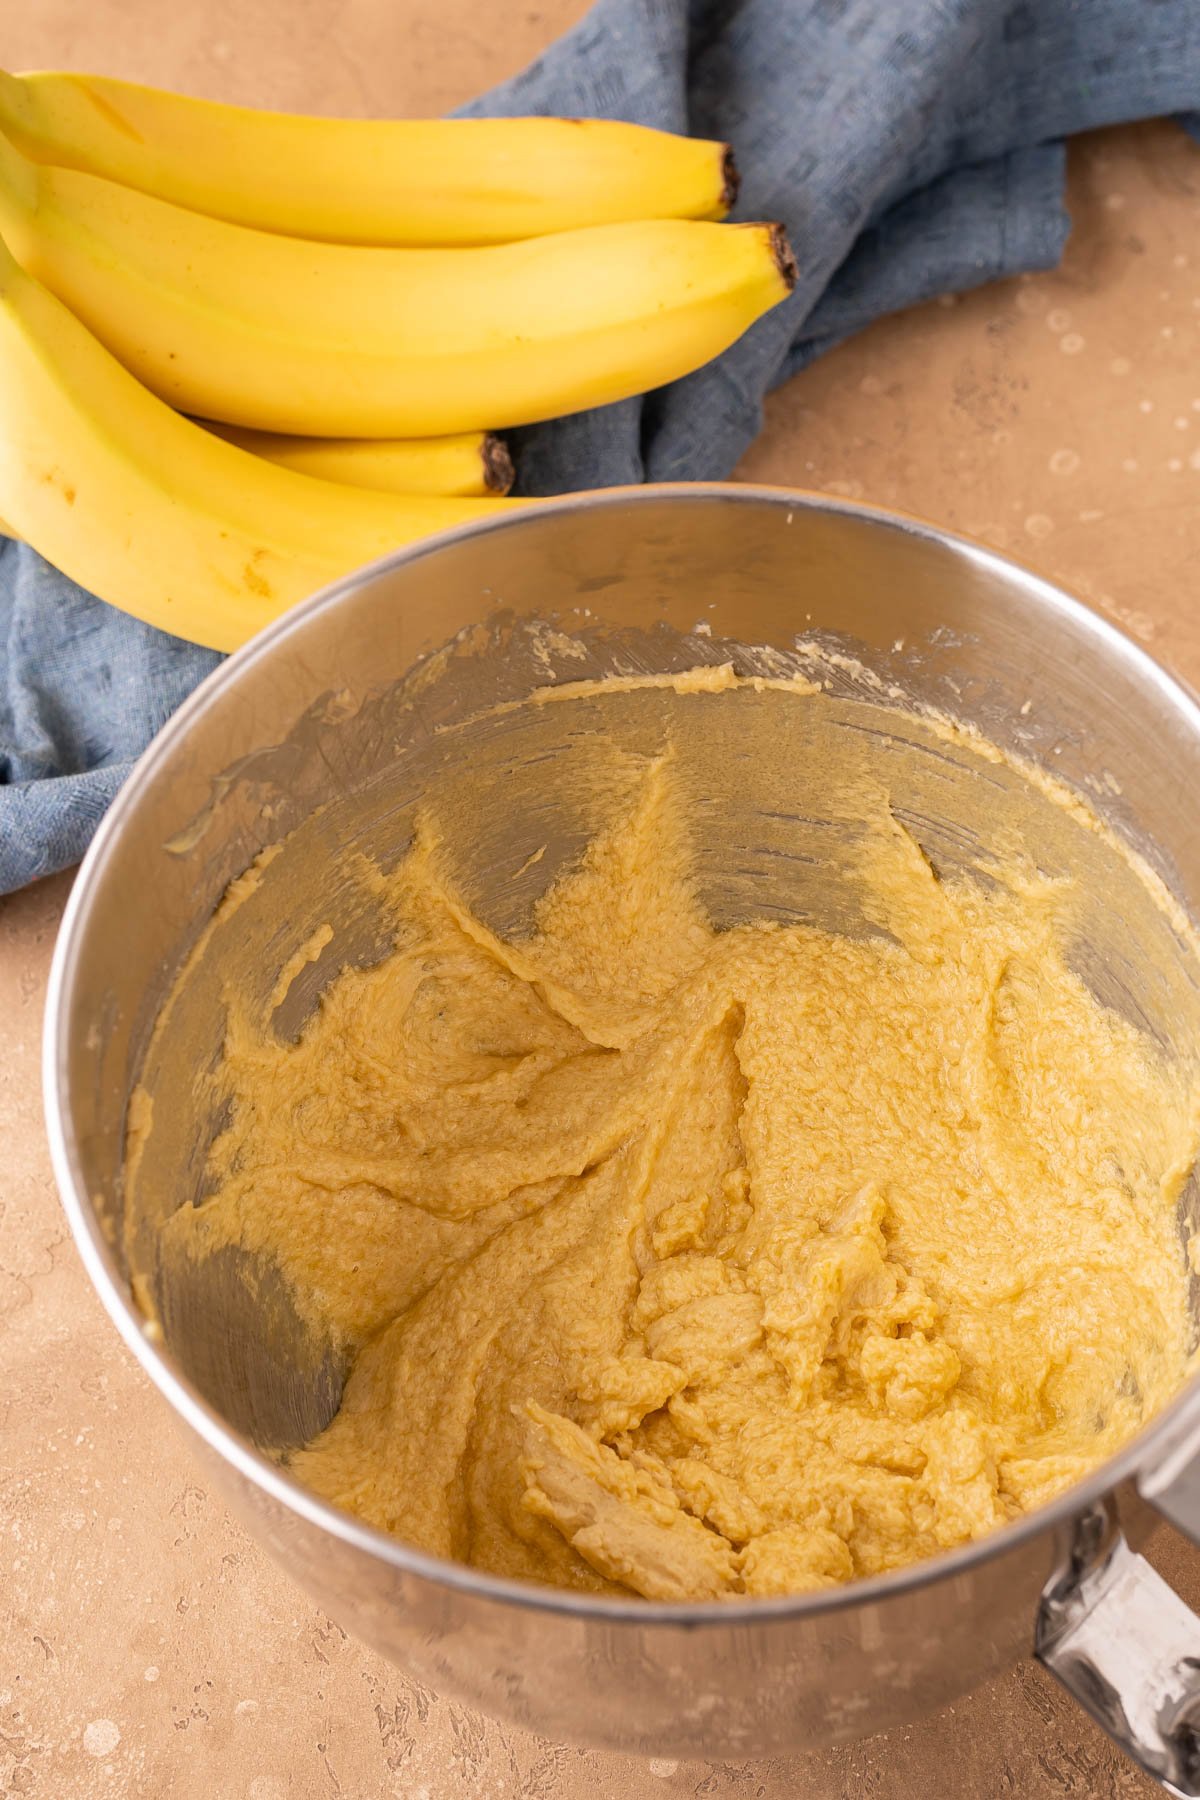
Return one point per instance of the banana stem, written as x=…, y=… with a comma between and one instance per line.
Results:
x=731, y=181
x=498, y=471
x=781, y=250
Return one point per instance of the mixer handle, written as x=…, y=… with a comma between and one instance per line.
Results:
x=1127, y=1648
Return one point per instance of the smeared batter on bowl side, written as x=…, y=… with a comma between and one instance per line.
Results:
x=694, y=1264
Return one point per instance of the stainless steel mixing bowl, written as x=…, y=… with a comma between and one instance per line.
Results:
x=320, y=737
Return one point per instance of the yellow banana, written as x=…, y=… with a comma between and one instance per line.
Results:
x=334, y=340
x=154, y=513
x=475, y=462
x=366, y=181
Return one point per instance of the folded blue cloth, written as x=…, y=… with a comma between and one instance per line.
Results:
x=911, y=147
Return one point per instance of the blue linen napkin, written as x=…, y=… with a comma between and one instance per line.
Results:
x=911, y=147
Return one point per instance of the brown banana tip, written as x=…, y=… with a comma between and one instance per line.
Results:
x=498, y=471
x=731, y=179
x=781, y=250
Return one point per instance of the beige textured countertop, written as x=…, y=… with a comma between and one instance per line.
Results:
x=146, y=1646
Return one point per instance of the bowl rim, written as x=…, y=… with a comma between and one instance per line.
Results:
x=1171, y=1437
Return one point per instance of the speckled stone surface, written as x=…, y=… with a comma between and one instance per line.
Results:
x=147, y=1648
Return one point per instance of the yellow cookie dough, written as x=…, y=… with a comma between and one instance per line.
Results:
x=693, y=1264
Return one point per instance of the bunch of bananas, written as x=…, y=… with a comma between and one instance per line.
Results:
x=344, y=307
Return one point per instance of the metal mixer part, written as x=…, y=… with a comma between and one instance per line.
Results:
x=1127, y=1648
x=320, y=736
